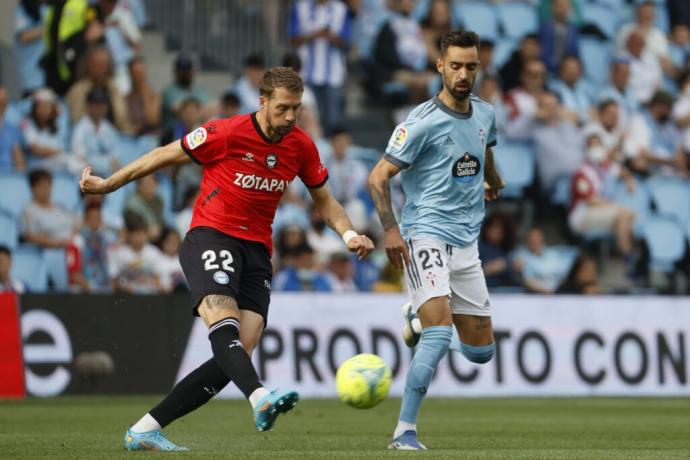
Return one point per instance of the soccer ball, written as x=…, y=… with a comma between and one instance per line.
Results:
x=363, y=381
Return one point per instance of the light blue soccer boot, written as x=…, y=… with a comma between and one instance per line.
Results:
x=151, y=440
x=406, y=441
x=271, y=406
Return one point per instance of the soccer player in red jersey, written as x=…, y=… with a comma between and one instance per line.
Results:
x=248, y=161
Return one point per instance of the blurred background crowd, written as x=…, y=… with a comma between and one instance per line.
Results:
x=592, y=99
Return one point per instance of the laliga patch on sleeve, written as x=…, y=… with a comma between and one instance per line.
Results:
x=196, y=138
x=399, y=138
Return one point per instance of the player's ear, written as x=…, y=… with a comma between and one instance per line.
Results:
x=262, y=101
x=439, y=64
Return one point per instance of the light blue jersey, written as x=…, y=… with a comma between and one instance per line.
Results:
x=442, y=156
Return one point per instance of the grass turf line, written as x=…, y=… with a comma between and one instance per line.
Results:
x=504, y=428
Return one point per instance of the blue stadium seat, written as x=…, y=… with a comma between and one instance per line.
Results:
x=477, y=16
x=165, y=189
x=515, y=162
x=503, y=48
x=595, y=56
x=56, y=267
x=671, y=198
x=29, y=267
x=66, y=191
x=517, y=19
x=15, y=192
x=561, y=192
x=603, y=17
x=9, y=231
x=639, y=201
x=666, y=241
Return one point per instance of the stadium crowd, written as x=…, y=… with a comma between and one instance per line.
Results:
x=592, y=99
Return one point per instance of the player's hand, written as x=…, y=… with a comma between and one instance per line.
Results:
x=93, y=184
x=396, y=249
x=492, y=191
x=361, y=244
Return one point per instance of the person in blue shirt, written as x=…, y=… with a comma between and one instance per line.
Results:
x=443, y=152
x=11, y=155
x=28, y=44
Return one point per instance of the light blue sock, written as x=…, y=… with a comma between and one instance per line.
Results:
x=432, y=347
x=478, y=354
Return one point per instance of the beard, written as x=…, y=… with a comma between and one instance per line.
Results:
x=458, y=94
x=280, y=130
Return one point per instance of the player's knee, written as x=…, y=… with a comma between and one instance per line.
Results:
x=478, y=354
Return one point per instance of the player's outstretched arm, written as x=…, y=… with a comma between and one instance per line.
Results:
x=493, y=183
x=156, y=159
x=336, y=218
x=379, y=187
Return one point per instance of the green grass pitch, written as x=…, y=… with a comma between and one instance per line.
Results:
x=578, y=428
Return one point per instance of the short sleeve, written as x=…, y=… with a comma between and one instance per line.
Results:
x=405, y=144
x=207, y=143
x=492, y=139
x=312, y=172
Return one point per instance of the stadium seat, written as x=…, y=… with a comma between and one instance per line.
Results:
x=9, y=232
x=477, y=16
x=515, y=162
x=66, y=191
x=15, y=192
x=639, y=201
x=29, y=267
x=165, y=189
x=671, y=198
x=666, y=242
x=561, y=192
x=595, y=56
x=602, y=16
x=56, y=268
x=517, y=19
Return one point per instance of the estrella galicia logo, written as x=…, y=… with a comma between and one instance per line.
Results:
x=271, y=160
x=221, y=277
x=466, y=168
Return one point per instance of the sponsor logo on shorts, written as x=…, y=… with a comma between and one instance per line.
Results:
x=466, y=168
x=196, y=138
x=271, y=160
x=431, y=278
x=267, y=284
x=254, y=182
x=221, y=277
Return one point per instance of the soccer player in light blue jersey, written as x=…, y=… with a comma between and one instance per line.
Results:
x=443, y=152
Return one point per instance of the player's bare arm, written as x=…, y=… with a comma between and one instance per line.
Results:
x=156, y=159
x=493, y=183
x=379, y=187
x=336, y=218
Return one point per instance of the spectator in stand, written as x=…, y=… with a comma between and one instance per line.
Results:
x=496, y=241
x=143, y=101
x=289, y=240
x=320, y=32
x=619, y=90
x=681, y=113
x=487, y=67
x=341, y=273
x=558, y=142
x=347, y=176
x=132, y=266
x=247, y=87
x=522, y=102
x=572, y=89
x=11, y=155
x=229, y=104
x=182, y=89
x=679, y=47
x=540, y=266
x=123, y=37
x=99, y=75
x=44, y=223
x=559, y=36
x=44, y=140
x=169, y=269
x=512, y=71
x=652, y=144
x=94, y=241
x=645, y=70
x=583, y=278
x=308, y=117
x=94, y=138
x=391, y=280
x=399, y=55
x=490, y=91
x=184, y=217
x=28, y=44
x=655, y=41
x=590, y=208
x=322, y=239
x=7, y=283
x=147, y=203
x=608, y=129
x=434, y=25
x=304, y=276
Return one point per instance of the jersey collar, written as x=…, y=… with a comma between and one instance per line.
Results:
x=451, y=112
x=268, y=140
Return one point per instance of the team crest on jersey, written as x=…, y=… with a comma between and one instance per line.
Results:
x=271, y=160
x=399, y=138
x=196, y=138
x=466, y=168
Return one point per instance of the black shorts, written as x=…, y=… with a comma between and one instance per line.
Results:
x=216, y=263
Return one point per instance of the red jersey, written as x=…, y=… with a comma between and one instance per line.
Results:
x=245, y=174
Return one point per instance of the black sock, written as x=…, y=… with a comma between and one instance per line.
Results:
x=231, y=357
x=191, y=392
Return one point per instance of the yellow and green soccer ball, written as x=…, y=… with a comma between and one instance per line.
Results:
x=363, y=381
